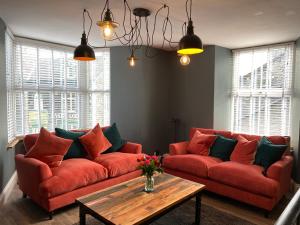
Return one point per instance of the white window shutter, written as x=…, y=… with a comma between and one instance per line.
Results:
x=262, y=90
x=48, y=88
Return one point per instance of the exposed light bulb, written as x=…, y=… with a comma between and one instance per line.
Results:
x=185, y=60
x=108, y=31
x=132, y=61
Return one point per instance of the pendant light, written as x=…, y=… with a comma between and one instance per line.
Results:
x=185, y=60
x=107, y=25
x=132, y=59
x=84, y=52
x=190, y=43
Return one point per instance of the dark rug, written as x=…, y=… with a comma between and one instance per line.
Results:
x=185, y=215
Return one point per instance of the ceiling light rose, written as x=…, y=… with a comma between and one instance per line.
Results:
x=107, y=25
x=83, y=52
x=185, y=60
x=190, y=43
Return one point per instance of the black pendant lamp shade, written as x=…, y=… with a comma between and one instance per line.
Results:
x=190, y=43
x=84, y=52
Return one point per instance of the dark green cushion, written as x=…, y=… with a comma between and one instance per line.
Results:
x=114, y=137
x=222, y=148
x=268, y=153
x=76, y=150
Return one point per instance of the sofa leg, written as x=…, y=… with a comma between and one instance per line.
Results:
x=267, y=213
x=50, y=214
x=24, y=195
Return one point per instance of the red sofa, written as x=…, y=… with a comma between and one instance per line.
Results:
x=245, y=183
x=52, y=188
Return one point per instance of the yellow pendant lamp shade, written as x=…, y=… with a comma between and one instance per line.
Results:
x=190, y=44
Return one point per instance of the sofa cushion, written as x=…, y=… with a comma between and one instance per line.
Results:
x=193, y=164
x=268, y=153
x=244, y=151
x=49, y=148
x=246, y=177
x=70, y=175
x=224, y=133
x=118, y=163
x=76, y=150
x=113, y=135
x=95, y=142
x=201, y=143
x=222, y=148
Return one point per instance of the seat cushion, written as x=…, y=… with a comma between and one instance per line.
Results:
x=246, y=177
x=193, y=164
x=72, y=174
x=118, y=163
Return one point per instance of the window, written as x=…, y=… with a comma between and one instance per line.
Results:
x=48, y=88
x=262, y=90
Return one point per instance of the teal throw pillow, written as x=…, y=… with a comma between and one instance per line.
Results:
x=113, y=135
x=76, y=150
x=222, y=148
x=268, y=153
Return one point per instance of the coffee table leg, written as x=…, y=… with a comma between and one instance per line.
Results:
x=81, y=216
x=198, y=209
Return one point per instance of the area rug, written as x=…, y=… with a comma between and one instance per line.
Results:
x=185, y=215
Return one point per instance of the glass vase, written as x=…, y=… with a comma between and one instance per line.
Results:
x=149, y=184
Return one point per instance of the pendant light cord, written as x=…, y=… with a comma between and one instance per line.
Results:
x=189, y=15
x=83, y=24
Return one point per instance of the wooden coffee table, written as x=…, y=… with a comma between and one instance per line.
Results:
x=127, y=203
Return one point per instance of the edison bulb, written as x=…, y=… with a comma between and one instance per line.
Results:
x=131, y=61
x=185, y=60
x=108, y=31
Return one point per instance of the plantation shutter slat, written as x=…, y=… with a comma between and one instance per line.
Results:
x=262, y=90
x=48, y=88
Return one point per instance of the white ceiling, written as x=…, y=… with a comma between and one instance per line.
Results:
x=227, y=23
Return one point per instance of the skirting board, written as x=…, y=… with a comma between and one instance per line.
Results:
x=8, y=189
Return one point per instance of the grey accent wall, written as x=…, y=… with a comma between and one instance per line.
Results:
x=192, y=92
x=296, y=114
x=222, y=88
x=7, y=165
x=140, y=97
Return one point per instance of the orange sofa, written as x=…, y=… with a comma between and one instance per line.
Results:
x=53, y=188
x=245, y=183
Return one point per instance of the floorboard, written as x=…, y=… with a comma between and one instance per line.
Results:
x=20, y=211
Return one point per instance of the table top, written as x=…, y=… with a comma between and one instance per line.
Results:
x=127, y=203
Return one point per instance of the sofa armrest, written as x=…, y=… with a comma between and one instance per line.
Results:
x=281, y=172
x=130, y=147
x=31, y=172
x=178, y=148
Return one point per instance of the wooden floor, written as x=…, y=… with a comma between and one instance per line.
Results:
x=23, y=211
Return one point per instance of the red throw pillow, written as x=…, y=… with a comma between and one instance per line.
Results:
x=95, y=142
x=201, y=143
x=244, y=151
x=49, y=148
